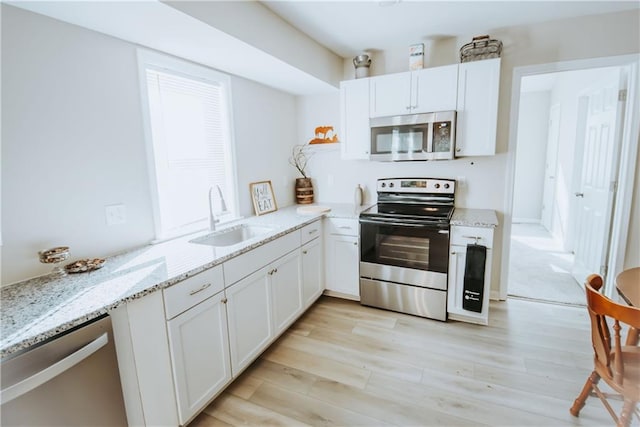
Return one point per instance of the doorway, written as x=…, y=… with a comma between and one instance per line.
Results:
x=558, y=148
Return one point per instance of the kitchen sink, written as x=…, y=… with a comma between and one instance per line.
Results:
x=233, y=235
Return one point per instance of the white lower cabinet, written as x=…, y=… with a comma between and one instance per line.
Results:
x=343, y=257
x=312, y=271
x=177, y=349
x=461, y=236
x=198, y=341
x=286, y=290
x=249, y=313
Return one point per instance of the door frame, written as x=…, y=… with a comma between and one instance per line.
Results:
x=626, y=169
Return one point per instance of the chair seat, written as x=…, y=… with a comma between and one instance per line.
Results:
x=631, y=374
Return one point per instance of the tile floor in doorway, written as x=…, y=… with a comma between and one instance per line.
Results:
x=539, y=268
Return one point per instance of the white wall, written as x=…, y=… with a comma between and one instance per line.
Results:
x=563, y=40
x=533, y=125
x=73, y=142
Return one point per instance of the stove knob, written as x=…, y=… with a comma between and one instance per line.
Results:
x=437, y=185
x=391, y=184
x=446, y=186
x=384, y=185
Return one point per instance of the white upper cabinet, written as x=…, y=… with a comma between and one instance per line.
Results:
x=354, y=116
x=434, y=89
x=478, y=87
x=421, y=91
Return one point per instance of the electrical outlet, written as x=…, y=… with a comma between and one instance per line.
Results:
x=115, y=214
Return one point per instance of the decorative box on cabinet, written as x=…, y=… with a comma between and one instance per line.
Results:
x=343, y=257
x=461, y=236
x=478, y=90
x=421, y=91
x=354, y=116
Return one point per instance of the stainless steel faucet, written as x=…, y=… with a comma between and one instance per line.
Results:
x=223, y=208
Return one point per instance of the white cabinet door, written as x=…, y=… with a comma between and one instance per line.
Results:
x=434, y=89
x=286, y=290
x=460, y=237
x=478, y=86
x=199, y=354
x=354, y=110
x=250, y=322
x=344, y=260
x=390, y=95
x=312, y=269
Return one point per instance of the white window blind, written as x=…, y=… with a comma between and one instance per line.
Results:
x=190, y=130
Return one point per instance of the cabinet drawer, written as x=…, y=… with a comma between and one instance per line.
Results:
x=310, y=232
x=461, y=235
x=245, y=264
x=344, y=226
x=191, y=291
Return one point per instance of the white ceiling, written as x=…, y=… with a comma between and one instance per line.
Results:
x=350, y=27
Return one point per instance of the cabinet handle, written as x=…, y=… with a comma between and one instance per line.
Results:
x=355, y=243
x=304, y=252
x=224, y=300
x=344, y=227
x=202, y=288
x=458, y=150
x=476, y=238
x=275, y=270
x=270, y=273
x=315, y=230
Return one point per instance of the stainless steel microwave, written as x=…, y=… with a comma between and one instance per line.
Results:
x=427, y=136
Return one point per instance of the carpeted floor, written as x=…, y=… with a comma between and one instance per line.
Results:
x=539, y=269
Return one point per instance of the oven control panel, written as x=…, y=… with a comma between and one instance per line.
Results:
x=416, y=185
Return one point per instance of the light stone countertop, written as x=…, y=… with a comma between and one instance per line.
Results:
x=474, y=218
x=40, y=308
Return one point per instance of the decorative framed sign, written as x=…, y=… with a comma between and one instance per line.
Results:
x=262, y=197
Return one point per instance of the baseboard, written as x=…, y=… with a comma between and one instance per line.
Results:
x=341, y=295
x=526, y=221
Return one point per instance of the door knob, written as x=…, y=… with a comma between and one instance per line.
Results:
x=579, y=194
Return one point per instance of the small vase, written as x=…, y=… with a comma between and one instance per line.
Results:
x=304, y=191
x=357, y=198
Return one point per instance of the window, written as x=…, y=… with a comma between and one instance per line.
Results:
x=188, y=123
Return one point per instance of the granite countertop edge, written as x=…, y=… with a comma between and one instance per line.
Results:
x=18, y=297
x=484, y=218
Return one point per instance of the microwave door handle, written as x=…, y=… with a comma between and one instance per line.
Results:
x=430, y=138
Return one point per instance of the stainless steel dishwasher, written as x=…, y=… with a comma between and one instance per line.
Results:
x=70, y=380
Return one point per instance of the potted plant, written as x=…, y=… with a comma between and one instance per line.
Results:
x=300, y=155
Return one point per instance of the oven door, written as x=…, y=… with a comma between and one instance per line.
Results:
x=404, y=251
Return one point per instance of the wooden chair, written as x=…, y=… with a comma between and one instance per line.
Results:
x=617, y=365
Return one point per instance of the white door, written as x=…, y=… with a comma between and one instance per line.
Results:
x=596, y=191
x=390, y=95
x=199, y=354
x=312, y=266
x=551, y=165
x=434, y=89
x=249, y=314
x=344, y=261
x=286, y=290
x=355, y=134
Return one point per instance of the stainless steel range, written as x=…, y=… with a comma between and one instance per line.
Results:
x=404, y=246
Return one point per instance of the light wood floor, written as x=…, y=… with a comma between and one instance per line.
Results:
x=345, y=364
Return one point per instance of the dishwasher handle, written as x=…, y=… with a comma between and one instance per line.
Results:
x=41, y=377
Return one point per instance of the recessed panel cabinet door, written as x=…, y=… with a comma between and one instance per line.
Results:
x=355, y=135
x=312, y=269
x=390, y=95
x=200, y=354
x=434, y=89
x=344, y=261
x=286, y=290
x=249, y=313
x=478, y=86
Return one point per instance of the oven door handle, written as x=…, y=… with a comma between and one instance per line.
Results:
x=405, y=224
